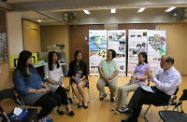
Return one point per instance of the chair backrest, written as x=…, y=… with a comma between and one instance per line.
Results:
x=7, y=94
x=176, y=91
x=10, y=94
x=182, y=98
x=184, y=95
x=172, y=100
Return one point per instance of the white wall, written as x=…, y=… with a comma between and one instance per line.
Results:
x=15, y=36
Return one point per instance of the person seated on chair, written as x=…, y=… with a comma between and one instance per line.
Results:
x=166, y=80
x=79, y=78
x=137, y=79
x=30, y=88
x=108, y=71
x=54, y=75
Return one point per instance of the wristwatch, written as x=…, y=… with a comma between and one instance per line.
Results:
x=36, y=92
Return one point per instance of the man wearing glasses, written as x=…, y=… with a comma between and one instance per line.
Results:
x=166, y=81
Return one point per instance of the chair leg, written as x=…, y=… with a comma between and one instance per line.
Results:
x=146, y=113
x=5, y=115
x=89, y=95
x=73, y=96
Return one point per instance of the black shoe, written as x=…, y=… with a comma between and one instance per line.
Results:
x=79, y=105
x=112, y=99
x=71, y=113
x=103, y=97
x=85, y=107
x=125, y=110
x=60, y=112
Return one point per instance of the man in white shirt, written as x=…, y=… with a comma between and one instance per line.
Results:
x=166, y=80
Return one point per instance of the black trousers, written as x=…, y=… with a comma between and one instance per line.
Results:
x=62, y=92
x=141, y=97
x=48, y=101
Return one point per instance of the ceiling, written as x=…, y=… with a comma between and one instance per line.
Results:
x=54, y=12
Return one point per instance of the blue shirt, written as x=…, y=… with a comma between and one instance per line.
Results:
x=23, y=84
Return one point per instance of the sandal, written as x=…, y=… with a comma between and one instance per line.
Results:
x=116, y=113
x=103, y=97
x=112, y=109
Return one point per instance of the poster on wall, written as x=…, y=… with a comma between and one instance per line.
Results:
x=137, y=42
x=156, y=47
x=97, y=49
x=3, y=48
x=117, y=41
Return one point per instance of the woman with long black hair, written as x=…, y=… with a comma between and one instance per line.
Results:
x=29, y=85
x=79, y=78
x=53, y=74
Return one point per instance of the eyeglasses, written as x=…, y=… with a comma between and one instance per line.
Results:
x=162, y=62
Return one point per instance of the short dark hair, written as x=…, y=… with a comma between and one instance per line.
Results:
x=169, y=58
x=113, y=53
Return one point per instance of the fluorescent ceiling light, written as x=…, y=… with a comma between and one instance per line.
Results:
x=141, y=10
x=39, y=20
x=86, y=11
x=170, y=9
x=113, y=11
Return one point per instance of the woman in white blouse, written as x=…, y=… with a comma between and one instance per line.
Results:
x=54, y=76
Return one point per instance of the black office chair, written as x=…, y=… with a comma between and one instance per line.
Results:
x=9, y=94
x=175, y=116
x=166, y=105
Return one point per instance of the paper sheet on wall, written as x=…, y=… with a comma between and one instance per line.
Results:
x=147, y=88
x=117, y=41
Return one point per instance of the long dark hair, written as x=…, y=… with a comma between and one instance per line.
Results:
x=81, y=65
x=50, y=60
x=22, y=62
x=144, y=55
x=76, y=53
